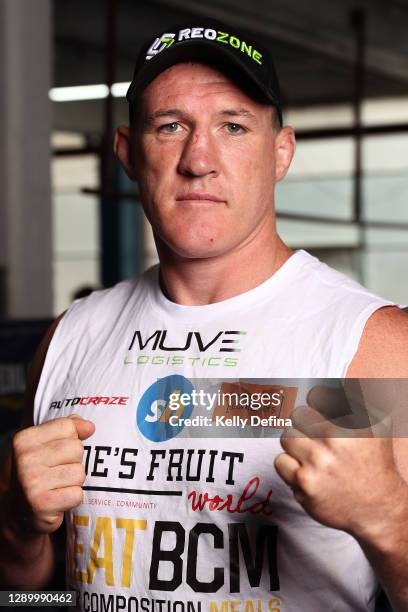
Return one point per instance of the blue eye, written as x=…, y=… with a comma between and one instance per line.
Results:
x=234, y=128
x=170, y=128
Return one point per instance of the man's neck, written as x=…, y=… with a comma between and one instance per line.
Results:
x=195, y=282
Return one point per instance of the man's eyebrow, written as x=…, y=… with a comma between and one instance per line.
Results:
x=176, y=112
x=164, y=112
x=238, y=112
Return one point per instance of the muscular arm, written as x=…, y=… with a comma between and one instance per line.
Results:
x=27, y=558
x=349, y=479
x=383, y=353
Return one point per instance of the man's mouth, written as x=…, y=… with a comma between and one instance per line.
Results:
x=200, y=196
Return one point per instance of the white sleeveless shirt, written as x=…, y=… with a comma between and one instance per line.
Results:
x=183, y=522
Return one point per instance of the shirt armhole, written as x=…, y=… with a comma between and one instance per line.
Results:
x=357, y=332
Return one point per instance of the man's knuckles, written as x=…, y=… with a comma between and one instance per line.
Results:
x=38, y=484
x=67, y=427
x=59, y=500
x=41, y=434
x=306, y=480
x=304, y=417
x=62, y=451
x=48, y=505
x=22, y=440
x=341, y=446
x=27, y=462
x=286, y=467
x=286, y=443
x=77, y=472
x=63, y=427
x=38, y=460
x=68, y=475
x=317, y=454
x=69, y=497
x=321, y=458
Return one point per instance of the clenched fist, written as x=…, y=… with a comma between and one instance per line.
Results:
x=48, y=471
x=343, y=475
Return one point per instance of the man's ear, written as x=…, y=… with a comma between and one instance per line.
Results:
x=122, y=148
x=285, y=145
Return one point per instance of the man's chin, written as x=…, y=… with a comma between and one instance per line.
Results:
x=197, y=249
x=195, y=253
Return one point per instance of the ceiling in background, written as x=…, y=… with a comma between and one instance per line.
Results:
x=313, y=42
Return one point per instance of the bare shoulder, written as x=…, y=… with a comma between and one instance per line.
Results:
x=383, y=348
x=383, y=353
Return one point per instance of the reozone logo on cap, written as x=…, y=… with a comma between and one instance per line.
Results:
x=166, y=40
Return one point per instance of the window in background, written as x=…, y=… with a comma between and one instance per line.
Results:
x=76, y=250
x=320, y=183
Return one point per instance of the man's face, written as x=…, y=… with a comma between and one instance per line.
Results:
x=205, y=162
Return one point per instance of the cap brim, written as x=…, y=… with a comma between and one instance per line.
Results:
x=205, y=51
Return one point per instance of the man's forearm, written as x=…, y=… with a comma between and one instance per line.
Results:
x=27, y=560
x=387, y=551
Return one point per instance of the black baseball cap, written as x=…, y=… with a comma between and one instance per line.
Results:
x=244, y=60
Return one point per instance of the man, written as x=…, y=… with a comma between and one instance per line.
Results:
x=166, y=522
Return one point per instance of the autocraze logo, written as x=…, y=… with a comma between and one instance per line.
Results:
x=99, y=400
x=169, y=38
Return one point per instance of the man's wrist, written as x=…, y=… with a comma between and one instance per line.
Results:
x=385, y=532
x=17, y=532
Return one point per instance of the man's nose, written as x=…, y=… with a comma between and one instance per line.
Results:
x=199, y=156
